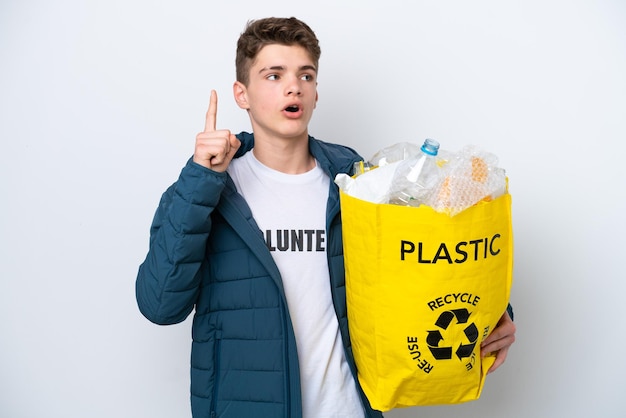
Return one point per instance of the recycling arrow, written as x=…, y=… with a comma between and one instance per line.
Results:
x=465, y=350
x=434, y=337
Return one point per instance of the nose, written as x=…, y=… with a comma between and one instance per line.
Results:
x=294, y=92
x=293, y=88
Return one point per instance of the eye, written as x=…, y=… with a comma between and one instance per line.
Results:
x=307, y=77
x=272, y=77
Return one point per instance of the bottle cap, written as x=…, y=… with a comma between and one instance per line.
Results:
x=430, y=147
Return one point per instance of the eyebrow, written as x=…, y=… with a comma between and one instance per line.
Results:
x=282, y=68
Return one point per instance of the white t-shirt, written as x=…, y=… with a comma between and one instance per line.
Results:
x=290, y=209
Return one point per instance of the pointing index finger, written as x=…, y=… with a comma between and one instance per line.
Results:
x=211, y=114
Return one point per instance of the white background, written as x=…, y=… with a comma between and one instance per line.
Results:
x=100, y=102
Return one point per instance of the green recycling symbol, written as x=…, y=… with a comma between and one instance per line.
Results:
x=441, y=349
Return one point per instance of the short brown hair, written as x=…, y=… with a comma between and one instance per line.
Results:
x=268, y=31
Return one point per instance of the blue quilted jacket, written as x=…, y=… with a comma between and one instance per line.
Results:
x=208, y=254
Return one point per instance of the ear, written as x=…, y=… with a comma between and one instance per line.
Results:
x=241, y=95
x=317, y=96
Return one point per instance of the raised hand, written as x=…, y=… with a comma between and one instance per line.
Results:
x=214, y=148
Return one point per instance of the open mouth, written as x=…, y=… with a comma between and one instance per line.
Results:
x=292, y=109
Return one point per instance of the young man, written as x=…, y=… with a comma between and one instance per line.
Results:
x=250, y=237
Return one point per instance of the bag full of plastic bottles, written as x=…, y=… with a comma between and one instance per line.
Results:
x=428, y=249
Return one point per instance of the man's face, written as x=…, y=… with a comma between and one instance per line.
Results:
x=282, y=92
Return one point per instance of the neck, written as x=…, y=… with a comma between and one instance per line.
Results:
x=290, y=157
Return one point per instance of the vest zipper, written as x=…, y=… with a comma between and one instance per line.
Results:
x=287, y=371
x=216, y=366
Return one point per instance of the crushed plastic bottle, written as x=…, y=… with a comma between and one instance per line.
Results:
x=416, y=177
x=394, y=153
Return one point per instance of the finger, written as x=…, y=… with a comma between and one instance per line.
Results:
x=499, y=348
x=500, y=358
x=234, y=143
x=229, y=151
x=216, y=150
x=211, y=114
x=504, y=328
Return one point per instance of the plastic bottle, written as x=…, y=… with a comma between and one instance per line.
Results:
x=416, y=177
x=361, y=167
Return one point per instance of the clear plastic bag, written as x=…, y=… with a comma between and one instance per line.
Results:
x=470, y=176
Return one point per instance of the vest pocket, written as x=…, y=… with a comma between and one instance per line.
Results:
x=217, y=351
